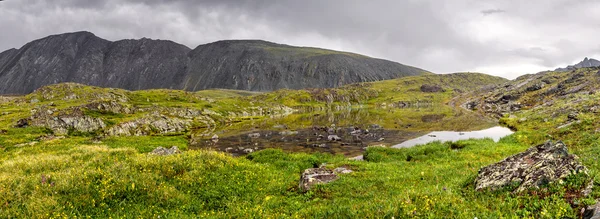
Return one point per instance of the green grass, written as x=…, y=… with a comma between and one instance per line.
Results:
x=302, y=51
x=69, y=178
x=79, y=177
x=146, y=144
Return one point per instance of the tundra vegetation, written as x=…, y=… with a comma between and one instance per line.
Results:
x=70, y=150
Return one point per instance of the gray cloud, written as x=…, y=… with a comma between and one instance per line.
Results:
x=492, y=11
x=440, y=36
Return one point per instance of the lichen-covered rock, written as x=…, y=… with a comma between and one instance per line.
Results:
x=150, y=125
x=164, y=151
x=111, y=106
x=535, y=87
x=22, y=123
x=61, y=122
x=572, y=116
x=313, y=176
x=342, y=170
x=185, y=113
x=592, y=211
x=6, y=99
x=537, y=166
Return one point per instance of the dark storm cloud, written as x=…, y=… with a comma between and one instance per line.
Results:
x=441, y=36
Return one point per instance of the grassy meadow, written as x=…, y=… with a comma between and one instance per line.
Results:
x=80, y=177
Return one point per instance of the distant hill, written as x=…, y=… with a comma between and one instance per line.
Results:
x=253, y=65
x=587, y=62
x=534, y=90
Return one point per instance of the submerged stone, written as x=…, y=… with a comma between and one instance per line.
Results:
x=334, y=138
x=537, y=166
x=254, y=135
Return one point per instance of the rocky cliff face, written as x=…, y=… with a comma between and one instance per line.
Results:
x=254, y=65
x=263, y=66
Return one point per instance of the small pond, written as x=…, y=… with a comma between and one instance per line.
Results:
x=347, y=132
x=349, y=141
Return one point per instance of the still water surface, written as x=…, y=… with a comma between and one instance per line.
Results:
x=494, y=133
x=349, y=132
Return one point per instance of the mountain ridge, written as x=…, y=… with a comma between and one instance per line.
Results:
x=135, y=64
x=586, y=63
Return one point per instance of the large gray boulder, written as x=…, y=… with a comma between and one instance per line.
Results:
x=539, y=165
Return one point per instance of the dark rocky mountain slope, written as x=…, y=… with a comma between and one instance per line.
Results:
x=586, y=63
x=253, y=65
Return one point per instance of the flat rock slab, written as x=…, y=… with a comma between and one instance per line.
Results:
x=313, y=176
x=537, y=166
x=160, y=151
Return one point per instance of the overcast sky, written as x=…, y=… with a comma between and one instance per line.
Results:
x=505, y=38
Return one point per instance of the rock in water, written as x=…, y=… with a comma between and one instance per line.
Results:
x=334, y=138
x=254, y=135
x=314, y=176
x=163, y=151
x=538, y=165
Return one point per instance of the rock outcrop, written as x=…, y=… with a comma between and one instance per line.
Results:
x=111, y=106
x=82, y=57
x=150, y=125
x=531, y=91
x=539, y=165
x=62, y=122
